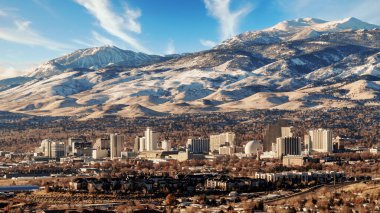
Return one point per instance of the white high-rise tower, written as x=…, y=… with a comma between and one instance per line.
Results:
x=151, y=139
x=320, y=140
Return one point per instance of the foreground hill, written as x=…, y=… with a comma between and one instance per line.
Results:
x=298, y=64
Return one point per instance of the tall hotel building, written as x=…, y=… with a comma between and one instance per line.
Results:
x=151, y=139
x=288, y=146
x=198, y=145
x=319, y=140
x=224, y=139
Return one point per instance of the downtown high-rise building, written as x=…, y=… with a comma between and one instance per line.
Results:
x=136, y=144
x=116, y=145
x=319, y=140
x=274, y=131
x=223, y=139
x=52, y=149
x=166, y=145
x=198, y=145
x=288, y=146
x=102, y=143
x=151, y=139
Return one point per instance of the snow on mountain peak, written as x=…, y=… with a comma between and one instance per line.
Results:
x=350, y=23
x=296, y=24
x=93, y=58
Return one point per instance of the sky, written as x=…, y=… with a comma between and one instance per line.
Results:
x=35, y=31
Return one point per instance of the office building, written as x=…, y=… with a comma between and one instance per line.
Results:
x=136, y=144
x=102, y=143
x=100, y=153
x=338, y=143
x=227, y=150
x=374, y=150
x=151, y=139
x=274, y=131
x=128, y=155
x=286, y=131
x=293, y=160
x=166, y=145
x=101, y=148
x=57, y=150
x=69, y=144
x=142, y=144
x=80, y=147
x=224, y=139
x=288, y=146
x=198, y=145
x=116, y=145
x=52, y=149
x=319, y=140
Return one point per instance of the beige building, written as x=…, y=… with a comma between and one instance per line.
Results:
x=286, y=131
x=52, y=149
x=101, y=148
x=166, y=145
x=142, y=144
x=319, y=140
x=374, y=150
x=338, y=143
x=224, y=139
x=226, y=150
x=100, y=153
x=293, y=160
x=102, y=143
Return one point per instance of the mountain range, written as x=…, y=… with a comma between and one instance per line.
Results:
x=299, y=64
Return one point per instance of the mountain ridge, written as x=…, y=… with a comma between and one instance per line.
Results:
x=301, y=64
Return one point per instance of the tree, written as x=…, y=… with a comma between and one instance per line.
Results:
x=170, y=200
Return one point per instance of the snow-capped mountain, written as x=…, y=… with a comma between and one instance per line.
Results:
x=93, y=59
x=297, y=29
x=299, y=64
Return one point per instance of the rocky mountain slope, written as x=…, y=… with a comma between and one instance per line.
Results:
x=298, y=64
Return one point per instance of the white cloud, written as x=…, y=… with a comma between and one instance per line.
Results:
x=3, y=13
x=208, y=43
x=44, y=4
x=22, y=25
x=9, y=70
x=113, y=23
x=131, y=19
x=101, y=39
x=84, y=43
x=17, y=30
x=228, y=20
x=367, y=10
x=170, y=49
x=96, y=40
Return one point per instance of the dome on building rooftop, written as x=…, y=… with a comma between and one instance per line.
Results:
x=253, y=147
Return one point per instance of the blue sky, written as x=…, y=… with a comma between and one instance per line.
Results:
x=34, y=31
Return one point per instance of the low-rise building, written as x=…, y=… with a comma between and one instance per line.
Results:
x=375, y=150
x=295, y=176
x=293, y=160
x=226, y=150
